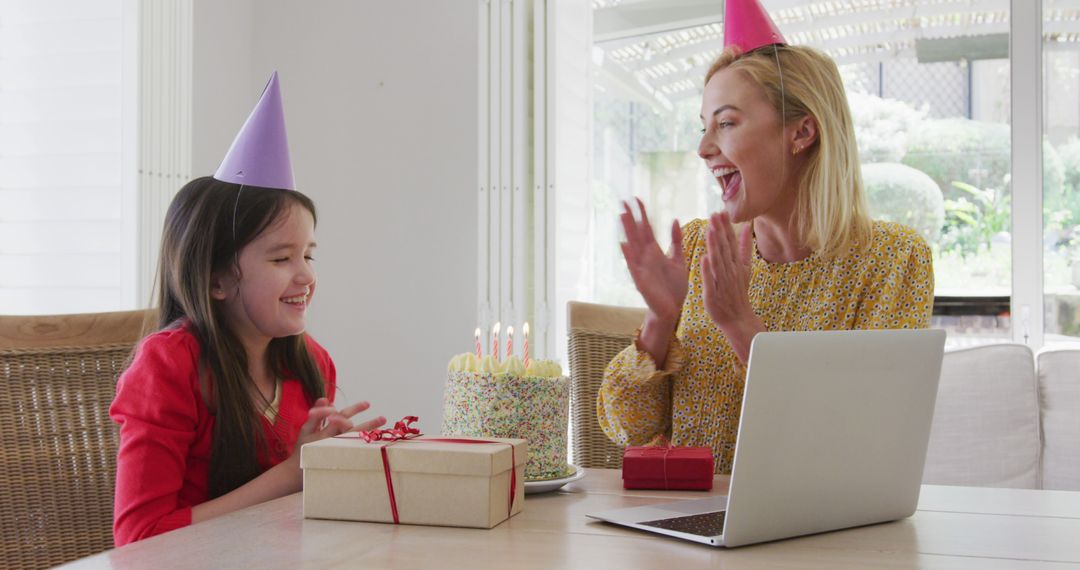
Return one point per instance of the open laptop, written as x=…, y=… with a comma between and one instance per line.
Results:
x=833, y=434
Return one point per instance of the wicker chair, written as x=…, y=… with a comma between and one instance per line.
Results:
x=58, y=446
x=596, y=333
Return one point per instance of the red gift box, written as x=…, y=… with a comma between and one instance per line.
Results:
x=657, y=467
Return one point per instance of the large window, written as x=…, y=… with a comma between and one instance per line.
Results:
x=1061, y=171
x=928, y=83
x=67, y=237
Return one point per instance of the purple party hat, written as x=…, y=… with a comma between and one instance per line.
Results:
x=259, y=155
x=748, y=25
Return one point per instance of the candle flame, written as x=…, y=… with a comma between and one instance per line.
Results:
x=525, y=329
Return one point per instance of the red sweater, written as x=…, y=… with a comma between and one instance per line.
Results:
x=166, y=431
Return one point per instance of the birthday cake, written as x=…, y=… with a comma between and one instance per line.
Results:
x=486, y=397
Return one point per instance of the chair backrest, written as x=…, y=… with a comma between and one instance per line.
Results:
x=986, y=420
x=58, y=450
x=596, y=333
x=1059, y=396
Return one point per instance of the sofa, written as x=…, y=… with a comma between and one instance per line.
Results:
x=1007, y=417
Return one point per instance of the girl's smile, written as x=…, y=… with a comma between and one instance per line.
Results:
x=298, y=302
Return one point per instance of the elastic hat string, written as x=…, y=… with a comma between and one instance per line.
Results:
x=783, y=102
x=236, y=250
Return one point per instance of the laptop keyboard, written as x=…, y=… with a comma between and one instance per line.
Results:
x=705, y=524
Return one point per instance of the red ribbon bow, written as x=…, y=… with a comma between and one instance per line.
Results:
x=402, y=431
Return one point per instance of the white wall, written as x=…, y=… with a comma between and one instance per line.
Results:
x=224, y=83
x=380, y=101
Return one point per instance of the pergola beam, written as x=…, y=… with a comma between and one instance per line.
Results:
x=644, y=17
x=903, y=39
x=637, y=22
x=817, y=25
x=614, y=77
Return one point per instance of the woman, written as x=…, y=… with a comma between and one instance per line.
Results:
x=778, y=136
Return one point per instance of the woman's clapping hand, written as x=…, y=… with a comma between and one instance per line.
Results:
x=660, y=278
x=725, y=276
x=725, y=270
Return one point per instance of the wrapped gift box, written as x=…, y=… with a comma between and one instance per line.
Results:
x=441, y=483
x=668, y=468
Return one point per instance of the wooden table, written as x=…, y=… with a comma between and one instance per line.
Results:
x=955, y=527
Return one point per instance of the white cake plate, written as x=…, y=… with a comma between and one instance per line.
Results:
x=549, y=485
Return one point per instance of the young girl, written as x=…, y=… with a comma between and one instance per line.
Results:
x=217, y=403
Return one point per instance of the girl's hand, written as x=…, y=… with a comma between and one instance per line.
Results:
x=286, y=477
x=661, y=279
x=326, y=421
x=725, y=273
x=354, y=409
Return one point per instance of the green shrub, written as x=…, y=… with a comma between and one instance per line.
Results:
x=1070, y=163
x=973, y=152
x=949, y=150
x=975, y=219
x=1063, y=209
x=882, y=126
x=899, y=193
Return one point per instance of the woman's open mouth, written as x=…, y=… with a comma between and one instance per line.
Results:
x=730, y=178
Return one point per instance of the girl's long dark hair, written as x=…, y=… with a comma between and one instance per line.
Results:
x=199, y=241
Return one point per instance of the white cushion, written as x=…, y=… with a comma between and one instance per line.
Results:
x=1059, y=394
x=986, y=420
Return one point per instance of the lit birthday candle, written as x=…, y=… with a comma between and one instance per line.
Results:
x=495, y=341
x=509, y=341
x=479, y=350
x=525, y=347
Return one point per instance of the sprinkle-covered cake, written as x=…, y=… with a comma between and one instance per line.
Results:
x=489, y=398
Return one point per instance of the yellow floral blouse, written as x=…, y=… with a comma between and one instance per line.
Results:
x=696, y=399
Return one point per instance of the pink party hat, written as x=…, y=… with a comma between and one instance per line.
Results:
x=747, y=25
x=259, y=155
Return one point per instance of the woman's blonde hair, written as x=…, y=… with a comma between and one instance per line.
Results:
x=831, y=211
